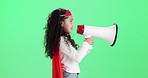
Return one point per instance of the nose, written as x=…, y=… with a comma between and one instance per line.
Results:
x=72, y=24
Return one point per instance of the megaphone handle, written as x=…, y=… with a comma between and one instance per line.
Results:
x=87, y=36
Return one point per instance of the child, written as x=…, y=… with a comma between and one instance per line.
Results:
x=61, y=48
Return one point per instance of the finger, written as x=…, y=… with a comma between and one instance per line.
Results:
x=92, y=43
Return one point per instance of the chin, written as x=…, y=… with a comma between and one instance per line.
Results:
x=69, y=31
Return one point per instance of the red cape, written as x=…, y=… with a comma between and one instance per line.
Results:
x=57, y=66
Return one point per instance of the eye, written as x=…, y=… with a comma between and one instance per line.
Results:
x=71, y=20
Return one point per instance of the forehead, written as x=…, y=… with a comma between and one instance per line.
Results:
x=70, y=17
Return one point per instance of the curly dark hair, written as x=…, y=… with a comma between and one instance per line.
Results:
x=53, y=32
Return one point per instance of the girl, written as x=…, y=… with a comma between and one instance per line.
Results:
x=61, y=48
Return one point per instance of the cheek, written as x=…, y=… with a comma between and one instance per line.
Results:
x=68, y=26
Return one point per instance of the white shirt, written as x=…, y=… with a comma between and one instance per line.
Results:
x=70, y=57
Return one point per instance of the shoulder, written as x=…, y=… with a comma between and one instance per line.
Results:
x=63, y=38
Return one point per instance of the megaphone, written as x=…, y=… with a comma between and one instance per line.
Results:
x=107, y=33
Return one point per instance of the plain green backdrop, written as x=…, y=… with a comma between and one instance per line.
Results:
x=21, y=37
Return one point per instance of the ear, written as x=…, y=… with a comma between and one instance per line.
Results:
x=62, y=24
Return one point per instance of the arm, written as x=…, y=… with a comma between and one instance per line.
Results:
x=70, y=51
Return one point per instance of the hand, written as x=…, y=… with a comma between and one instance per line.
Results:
x=90, y=40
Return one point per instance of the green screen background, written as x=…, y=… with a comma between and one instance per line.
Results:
x=21, y=37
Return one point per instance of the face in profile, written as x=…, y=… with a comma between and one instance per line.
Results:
x=68, y=24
